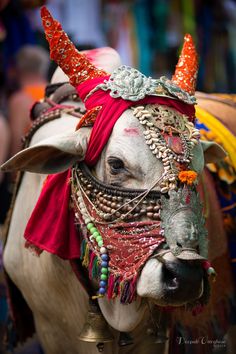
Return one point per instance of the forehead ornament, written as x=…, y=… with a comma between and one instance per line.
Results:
x=171, y=137
x=130, y=84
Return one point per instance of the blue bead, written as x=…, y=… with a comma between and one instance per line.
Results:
x=104, y=257
x=102, y=291
x=104, y=264
x=103, y=284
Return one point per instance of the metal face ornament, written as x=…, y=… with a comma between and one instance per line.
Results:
x=171, y=137
x=182, y=223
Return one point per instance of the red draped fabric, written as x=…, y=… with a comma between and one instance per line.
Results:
x=51, y=226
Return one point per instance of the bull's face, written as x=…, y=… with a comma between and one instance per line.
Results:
x=169, y=277
x=128, y=162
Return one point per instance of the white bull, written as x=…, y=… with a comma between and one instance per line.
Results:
x=48, y=284
x=50, y=287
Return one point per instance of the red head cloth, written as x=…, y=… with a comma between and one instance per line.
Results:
x=111, y=110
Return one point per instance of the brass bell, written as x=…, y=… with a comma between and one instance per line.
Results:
x=95, y=328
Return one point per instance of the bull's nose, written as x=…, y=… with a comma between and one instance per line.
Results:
x=190, y=270
x=171, y=281
x=183, y=278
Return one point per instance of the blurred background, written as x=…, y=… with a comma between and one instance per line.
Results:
x=148, y=35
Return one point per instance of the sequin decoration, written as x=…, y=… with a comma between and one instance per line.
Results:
x=88, y=118
x=185, y=75
x=75, y=65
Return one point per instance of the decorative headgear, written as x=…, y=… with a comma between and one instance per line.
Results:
x=106, y=96
x=125, y=82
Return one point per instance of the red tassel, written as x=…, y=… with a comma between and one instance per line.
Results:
x=110, y=286
x=91, y=260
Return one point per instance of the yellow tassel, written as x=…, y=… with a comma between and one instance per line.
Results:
x=97, y=296
x=85, y=262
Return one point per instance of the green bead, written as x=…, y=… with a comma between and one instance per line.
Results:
x=103, y=277
x=100, y=243
x=90, y=225
x=104, y=270
x=93, y=229
x=96, y=234
x=99, y=238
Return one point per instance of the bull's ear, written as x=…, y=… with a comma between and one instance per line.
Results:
x=51, y=155
x=213, y=152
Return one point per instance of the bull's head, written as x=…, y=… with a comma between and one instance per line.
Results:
x=144, y=150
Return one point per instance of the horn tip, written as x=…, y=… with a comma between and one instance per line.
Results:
x=44, y=11
x=186, y=70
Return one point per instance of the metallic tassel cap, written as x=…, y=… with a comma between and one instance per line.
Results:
x=74, y=64
x=185, y=75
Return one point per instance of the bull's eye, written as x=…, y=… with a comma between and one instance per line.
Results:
x=116, y=165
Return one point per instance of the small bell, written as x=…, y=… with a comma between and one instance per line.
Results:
x=161, y=337
x=95, y=328
x=125, y=339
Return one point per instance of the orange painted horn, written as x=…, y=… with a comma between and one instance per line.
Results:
x=185, y=75
x=74, y=64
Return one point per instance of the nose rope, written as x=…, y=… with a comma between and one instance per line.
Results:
x=160, y=254
x=206, y=265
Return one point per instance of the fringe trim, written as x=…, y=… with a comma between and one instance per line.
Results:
x=32, y=248
x=117, y=285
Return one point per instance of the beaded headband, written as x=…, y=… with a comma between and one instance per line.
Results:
x=125, y=82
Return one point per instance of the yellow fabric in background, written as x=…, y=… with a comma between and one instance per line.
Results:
x=227, y=139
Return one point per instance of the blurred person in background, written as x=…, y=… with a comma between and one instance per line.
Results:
x=4, y=154
x=5, y=140
x=31, y=70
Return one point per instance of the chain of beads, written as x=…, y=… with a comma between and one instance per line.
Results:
x=112, y=206
x=96, y=236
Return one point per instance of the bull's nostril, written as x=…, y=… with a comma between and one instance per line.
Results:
x=173, y=284
x=170, y=279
